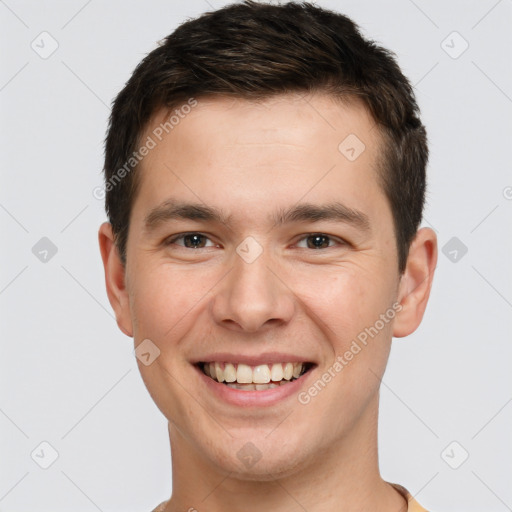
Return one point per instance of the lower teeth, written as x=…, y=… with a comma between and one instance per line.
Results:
x=256, y=387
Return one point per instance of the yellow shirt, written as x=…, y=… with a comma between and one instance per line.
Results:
x=414, y=506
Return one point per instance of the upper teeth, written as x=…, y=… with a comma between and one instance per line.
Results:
x=245, y=374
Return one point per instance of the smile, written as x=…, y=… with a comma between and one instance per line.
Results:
x=254, y=378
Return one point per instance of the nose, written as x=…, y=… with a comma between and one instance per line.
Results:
x=253, y=296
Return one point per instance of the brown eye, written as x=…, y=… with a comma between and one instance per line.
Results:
x=190, y=240
x=317, y=241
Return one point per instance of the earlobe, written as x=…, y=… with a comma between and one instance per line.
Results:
x=115, y=281
x=416, y=282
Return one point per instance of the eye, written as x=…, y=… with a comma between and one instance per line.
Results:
x=191, y=240
x=198, y=241
x=319, y=241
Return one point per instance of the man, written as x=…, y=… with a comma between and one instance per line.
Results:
x=265, y=179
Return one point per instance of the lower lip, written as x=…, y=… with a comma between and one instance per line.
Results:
x=266, y=397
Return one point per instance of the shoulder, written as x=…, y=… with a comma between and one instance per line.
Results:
x=160, y=507
x=414, y=506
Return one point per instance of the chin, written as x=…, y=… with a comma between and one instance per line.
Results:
x=250, y=463
x=263, y=471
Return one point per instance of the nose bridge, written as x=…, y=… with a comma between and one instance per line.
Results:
x=252, y=294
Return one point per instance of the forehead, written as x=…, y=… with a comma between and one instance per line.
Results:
x=279, y=149
x=296, y=119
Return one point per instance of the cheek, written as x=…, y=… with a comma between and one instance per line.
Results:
x=167, y=300
x=159, y=299
x=345, y=300
x=163, y=301
x=348, y=308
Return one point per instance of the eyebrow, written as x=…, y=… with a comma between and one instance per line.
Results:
x=304, y=212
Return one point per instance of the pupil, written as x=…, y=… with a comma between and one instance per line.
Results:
x=196, y=239
x=317, y=238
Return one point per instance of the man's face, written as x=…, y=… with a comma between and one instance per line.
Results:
x=252, y=288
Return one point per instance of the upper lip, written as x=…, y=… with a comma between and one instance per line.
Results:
x=256, y=360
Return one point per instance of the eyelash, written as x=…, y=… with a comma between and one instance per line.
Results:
x=172, y=239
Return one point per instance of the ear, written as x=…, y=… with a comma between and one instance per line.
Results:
x=115, y=279
x=416, y=282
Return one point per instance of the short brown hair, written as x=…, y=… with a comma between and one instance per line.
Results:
x=254, y=51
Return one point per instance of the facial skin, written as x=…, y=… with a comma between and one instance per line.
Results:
x=251, y=160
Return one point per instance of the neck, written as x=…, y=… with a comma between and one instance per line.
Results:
x=341, y=478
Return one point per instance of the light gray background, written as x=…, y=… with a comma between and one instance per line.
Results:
x=69, y=376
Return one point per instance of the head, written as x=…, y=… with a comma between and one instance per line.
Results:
x=300, y=146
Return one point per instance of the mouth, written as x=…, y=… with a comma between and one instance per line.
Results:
x=255, y=378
